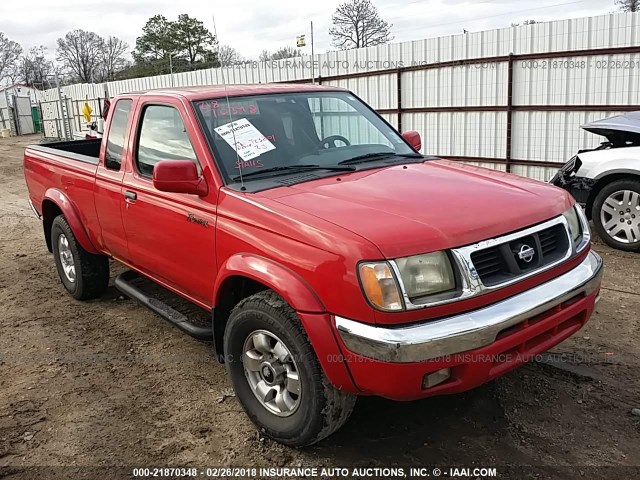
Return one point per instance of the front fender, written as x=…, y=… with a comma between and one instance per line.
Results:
x=599, y=167
x=301, y=297
x=288, y=284
x=68, y=209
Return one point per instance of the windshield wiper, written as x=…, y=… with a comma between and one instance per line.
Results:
x=376, y=156
x=293, y=168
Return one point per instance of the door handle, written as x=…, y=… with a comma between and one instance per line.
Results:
x=131, y=196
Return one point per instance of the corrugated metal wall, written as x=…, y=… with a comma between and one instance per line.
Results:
x=452, y=106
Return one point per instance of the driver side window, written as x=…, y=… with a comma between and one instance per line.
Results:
x=162, y=137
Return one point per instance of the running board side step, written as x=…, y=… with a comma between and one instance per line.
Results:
x=123, y=283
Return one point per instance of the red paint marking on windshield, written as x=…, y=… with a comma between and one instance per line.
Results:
x=236, y=108
x=255, y=163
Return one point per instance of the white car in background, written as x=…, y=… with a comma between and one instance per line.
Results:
x=606, y=180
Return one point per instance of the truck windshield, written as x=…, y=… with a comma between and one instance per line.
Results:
x=263, y=133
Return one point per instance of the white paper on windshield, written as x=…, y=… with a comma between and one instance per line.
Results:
x=245, y=139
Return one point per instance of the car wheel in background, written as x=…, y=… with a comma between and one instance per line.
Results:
x=616, y=214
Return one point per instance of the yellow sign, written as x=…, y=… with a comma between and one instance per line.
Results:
x=300, y=41
x=87, y=111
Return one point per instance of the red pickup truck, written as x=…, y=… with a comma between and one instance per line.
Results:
x=335, y=260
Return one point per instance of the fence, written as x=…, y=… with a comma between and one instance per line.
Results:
x=5, y=117
x=511, y=99
x=16, y=114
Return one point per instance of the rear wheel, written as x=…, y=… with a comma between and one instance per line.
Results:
x=83, y=274
x=616, y=214
x=276, y=375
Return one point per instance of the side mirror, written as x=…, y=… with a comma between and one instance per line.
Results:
x=179, y=176
x=413, y=138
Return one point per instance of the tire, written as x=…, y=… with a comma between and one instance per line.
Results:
x=320, y=409
x=89, y=277
x=616, y=215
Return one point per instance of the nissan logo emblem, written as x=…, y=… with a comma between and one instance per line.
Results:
x=526, y=253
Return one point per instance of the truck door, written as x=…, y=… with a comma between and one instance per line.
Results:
x=171, y=236
x=108, y=184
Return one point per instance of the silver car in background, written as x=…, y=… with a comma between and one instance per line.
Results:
x=606, y=180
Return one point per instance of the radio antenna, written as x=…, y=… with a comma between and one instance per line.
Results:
x=226, y=95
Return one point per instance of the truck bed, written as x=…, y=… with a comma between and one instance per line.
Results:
x=68, y=167
x=87, y=151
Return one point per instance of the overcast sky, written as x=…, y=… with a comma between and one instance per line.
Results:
x=253, y=25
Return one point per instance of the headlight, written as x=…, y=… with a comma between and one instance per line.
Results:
x=575, y=226
x=572, y=166
x=426, y=274
x=567, y=170
x=420, y=275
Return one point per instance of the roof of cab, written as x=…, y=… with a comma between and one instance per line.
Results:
x=214, y=91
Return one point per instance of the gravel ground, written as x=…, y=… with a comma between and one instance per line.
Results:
x=108, y=383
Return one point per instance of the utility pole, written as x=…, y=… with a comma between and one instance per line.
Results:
x=171, y=68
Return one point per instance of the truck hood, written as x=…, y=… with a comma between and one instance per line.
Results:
x=418, y=208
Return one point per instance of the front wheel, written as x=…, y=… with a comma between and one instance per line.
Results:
x=276, y=375
x=616, y=214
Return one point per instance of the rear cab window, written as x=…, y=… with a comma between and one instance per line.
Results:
x=117, y=133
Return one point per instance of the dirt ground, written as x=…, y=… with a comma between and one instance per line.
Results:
x=108, y=383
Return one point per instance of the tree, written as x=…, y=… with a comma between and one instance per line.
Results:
x=527, y=22
x=33, y=68
x=166, y=46
x=194, y=43
x=628, y=5
x=79, y=51
x=286, y=52
x=265, y=56
x=112, y=57
x=156, y=44
x=356, y=24
x=228, y=55
x=10, y=52
x=281, y=53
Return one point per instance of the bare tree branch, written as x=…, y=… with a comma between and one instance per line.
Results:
x=265, y=55
x=33, y=68
x=79, y=51
x=112, y=57
x=286, y=52
x=356, y=24
x=228, y=56
x=279, y=54
x=10, y=52
x=628, y=5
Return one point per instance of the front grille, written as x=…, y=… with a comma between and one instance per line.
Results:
x=504, y=262
x=549, y=240
x=488, y=262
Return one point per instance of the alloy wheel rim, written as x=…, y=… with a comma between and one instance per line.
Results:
x=620, y=216
x=66, y=258
x=272, y=373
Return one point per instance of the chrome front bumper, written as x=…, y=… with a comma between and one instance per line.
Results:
x=471, y=330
